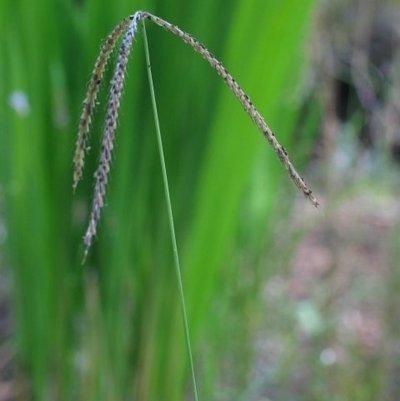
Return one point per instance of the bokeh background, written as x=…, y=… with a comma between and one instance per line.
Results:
x=285, y=302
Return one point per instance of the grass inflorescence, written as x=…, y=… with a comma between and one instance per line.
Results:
x=130, y=24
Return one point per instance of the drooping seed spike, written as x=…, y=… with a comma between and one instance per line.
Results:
x=91, y=95
x=243, y=98
x=101, y=175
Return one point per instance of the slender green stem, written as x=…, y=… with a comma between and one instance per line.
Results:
x=170, y=216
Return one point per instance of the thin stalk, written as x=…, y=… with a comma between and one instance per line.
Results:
x=170, y=215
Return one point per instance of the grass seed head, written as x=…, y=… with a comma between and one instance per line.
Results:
x=130, y=24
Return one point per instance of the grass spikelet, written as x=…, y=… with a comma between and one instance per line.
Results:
x=91, y=95
x=107, y=144
x=244, y=99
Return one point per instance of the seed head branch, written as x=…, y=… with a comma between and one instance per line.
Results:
x=91, y=95
x=101, y=175
x=243, y=98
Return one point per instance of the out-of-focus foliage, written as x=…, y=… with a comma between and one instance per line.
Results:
x=332, y=320
x=112, y=329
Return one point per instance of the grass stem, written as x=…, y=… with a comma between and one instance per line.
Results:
x=170, y=215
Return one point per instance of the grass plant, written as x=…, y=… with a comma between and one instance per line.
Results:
x=130, y=25
x=112, y=329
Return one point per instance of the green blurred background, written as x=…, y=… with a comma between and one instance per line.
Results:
x=284, y=302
